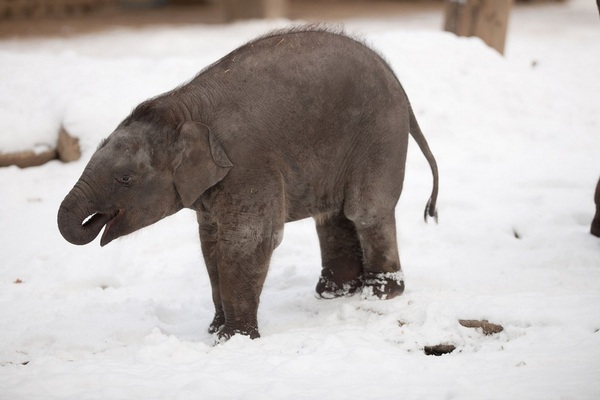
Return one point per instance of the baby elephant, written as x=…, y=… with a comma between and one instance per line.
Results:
x=299, y=123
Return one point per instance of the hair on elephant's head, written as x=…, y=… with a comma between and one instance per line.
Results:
x=143, y=172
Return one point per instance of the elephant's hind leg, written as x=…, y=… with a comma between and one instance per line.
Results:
x=341, y=256
x=382, y=276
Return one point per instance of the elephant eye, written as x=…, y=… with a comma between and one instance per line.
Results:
x=124, y=179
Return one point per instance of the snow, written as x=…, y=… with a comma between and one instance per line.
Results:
x=516, y=139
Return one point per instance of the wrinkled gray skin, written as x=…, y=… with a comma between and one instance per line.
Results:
x=297, y=124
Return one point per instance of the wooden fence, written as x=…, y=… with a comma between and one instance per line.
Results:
x=19, y=9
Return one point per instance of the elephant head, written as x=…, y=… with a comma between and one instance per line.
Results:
x=143, y=172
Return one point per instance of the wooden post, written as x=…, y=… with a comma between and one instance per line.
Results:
x=486, y=19
x=252, y=9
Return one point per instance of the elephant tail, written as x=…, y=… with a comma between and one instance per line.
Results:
x=417, y=134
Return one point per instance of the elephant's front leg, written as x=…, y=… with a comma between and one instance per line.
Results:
x=209, y=240
x=244, y=254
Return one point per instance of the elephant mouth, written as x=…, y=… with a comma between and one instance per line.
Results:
x=98, y=220
x=108, y=235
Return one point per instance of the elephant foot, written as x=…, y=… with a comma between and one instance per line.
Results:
x=217, y=323
x=226, y=333
x=223, y=332
x=383, y=285
x=595, y=229
x=329, y=288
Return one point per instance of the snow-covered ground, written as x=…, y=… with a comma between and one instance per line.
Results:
x=517, y=139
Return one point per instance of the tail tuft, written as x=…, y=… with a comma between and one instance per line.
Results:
x=430, y=211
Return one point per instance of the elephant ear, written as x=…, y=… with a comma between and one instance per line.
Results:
x=201, y=163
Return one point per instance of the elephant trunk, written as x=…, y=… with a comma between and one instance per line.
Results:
x=78, y=222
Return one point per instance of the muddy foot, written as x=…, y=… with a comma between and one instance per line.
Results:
x=383, y=285
x=329, y=289
x=595, y=229
x=226, y=333
x=217, y=323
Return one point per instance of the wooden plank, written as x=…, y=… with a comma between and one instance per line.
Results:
x=25, y=9
x=255, y=9
x=486, y=19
